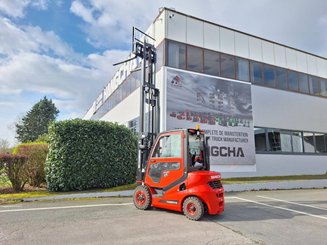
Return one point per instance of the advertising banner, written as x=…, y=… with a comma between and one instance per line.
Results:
x=222, y=107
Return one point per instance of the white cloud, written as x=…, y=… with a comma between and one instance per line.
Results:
x=35, y=63
x=82, y=11
x=15, y=39
x=48, y=41
x=72, y=86
x=47, y=75
x=108, y=23
x=16, y=8
x=40, y=4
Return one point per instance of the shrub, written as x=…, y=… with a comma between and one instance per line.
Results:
x=13, y=166
x=90, y=154
x=36, y=153
x=44, y=138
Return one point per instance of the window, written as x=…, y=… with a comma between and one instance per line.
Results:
x=308, y=141
x=156, y=170
x=176, y=55
x=211, y=63
x=123, y=87
x=269, y=75
x=133, y=125
x=281, y=78
x=323, y=87
x=288, y=141
x=242, y=69
x=292, y=81
x=256, y=73
x=194, y=59
x=285, y=141
x=273, y=140
x=168, y=146
x=314, y=85
x=227, y=66
x=303, y=83
x=138, y=82
x=296, y=141
x=182, y=56
x=119, y=94
x=260, y=139
x=320, y=142
x=160, y=55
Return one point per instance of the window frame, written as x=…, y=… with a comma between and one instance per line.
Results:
x=280, y=152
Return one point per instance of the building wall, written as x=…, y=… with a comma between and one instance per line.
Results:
x=288, y=110
x=279, y=165
x=126, y=110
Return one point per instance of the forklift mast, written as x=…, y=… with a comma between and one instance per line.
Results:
x=149, y=120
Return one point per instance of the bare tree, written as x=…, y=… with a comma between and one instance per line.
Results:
x=4, y=146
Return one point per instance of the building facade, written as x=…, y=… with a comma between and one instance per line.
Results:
x=263, y=104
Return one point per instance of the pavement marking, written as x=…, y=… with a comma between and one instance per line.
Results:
x=277, y=207
x=64, y=207
x=229, y=198
x=295, y=203
x=11, y=206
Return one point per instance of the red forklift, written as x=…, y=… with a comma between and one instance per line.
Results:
x=173, y=166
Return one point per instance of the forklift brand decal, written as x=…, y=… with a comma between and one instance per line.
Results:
x=215, y=177
x=165, y=173
x=222, y=107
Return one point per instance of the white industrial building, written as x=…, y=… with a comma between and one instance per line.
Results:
x=263, y=104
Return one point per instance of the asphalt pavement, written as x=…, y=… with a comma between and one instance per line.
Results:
x=257, y=217
x=106, y=221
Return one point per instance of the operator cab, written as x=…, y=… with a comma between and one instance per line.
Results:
x=175, y=153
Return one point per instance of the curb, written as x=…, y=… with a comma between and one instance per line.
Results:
x=127, y=193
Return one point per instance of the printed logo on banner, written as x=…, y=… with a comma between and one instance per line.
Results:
x=223, y=108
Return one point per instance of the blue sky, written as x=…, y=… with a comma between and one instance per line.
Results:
x=65, y=49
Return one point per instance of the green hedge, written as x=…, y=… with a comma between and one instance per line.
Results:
x=90, y=154
x=37, y=154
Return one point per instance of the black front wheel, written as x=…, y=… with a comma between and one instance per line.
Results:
x=142, y=197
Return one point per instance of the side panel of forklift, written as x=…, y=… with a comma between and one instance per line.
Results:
x=205, y=185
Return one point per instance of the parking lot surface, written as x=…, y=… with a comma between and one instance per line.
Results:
x=260, y=217
x=278, y=217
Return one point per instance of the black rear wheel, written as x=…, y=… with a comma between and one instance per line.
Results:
x=142, y=197
x=193, y=208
